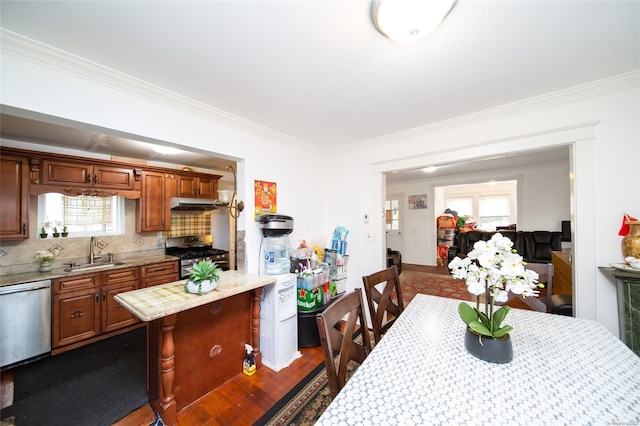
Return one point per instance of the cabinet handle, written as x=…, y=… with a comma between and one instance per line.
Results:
x=77, y=314
x=89, y=178
x=97, y=296
x=24, y=229
x=104, y=295
x=95, y=178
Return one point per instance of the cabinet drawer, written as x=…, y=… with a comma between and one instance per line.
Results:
x=157, y=269
x=121, y=276
x=160, y=279
x=78, y=282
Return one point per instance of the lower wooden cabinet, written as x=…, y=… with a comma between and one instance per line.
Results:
x=159, y=273
x=83, y=306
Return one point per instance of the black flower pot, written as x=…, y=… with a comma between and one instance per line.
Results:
x=497, y=351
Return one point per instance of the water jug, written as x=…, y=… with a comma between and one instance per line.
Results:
x=276, y=255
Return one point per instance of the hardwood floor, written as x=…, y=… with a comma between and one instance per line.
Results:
x=242, y=400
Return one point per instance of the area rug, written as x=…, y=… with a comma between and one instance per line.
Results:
x=414, y=282
x=306, y=402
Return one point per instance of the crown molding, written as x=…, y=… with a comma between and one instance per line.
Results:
x=572, y=94
x=32, y=51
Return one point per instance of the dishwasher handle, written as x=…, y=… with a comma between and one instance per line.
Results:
x=20, y=288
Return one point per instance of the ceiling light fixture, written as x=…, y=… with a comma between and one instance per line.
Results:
x=430, y=169
x=406, y=21
x=166, y=150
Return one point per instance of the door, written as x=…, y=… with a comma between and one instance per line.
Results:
x=393, y=222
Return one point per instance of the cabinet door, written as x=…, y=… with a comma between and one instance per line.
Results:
x=151, y=205
x=187, y=186
x=114, y=315
x=14, y=198
x=75, y=317
x=207, y=188
x=113, y=177
x=66, y=173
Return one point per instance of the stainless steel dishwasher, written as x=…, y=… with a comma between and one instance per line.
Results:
x=25, y=321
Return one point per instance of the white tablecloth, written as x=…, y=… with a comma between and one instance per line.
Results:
x=564, y=371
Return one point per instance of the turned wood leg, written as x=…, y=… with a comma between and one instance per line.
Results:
x=167, y=362
x=255, y=326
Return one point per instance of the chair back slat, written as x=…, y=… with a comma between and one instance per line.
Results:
x=387, y=303
x=338, y=327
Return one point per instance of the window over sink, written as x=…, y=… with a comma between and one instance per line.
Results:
x=82, y=215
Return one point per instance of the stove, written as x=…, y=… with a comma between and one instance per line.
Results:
x=193, y=249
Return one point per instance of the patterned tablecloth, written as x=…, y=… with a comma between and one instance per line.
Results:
x=564, y=371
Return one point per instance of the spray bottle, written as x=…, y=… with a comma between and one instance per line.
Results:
x=249, y=364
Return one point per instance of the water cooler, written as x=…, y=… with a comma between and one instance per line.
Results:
x=278, y=307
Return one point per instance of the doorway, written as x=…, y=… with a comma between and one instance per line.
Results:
x=393, y=222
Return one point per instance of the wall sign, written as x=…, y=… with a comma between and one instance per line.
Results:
x=265, y=198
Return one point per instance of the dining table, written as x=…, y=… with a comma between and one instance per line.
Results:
x=564, y=371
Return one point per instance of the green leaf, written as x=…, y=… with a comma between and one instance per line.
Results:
x=467, y=313
x=485, y=319
x=504, y=330
x=498, y=316
x=480, y=328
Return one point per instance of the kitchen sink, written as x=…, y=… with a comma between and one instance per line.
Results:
x=92, y=266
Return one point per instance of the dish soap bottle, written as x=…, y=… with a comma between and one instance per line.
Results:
x=249, y=364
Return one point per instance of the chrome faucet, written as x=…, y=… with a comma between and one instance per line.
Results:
x=92, y=257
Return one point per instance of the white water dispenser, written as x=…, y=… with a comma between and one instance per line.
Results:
x=279, y=305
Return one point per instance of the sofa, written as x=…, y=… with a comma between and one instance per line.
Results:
x=533, y=246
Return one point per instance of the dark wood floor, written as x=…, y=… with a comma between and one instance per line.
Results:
x=241, y=400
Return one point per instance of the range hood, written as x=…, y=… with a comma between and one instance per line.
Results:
x=193, y=204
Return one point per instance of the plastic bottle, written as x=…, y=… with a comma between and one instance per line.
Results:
x=276, y=255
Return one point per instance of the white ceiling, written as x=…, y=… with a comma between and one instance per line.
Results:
x=319, y=72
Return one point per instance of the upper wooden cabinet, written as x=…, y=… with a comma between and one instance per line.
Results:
x=152, y=205
x=14, y=198
x=197, y=186
x=62, y=173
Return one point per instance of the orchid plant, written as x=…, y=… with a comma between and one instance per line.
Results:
x=493, y=269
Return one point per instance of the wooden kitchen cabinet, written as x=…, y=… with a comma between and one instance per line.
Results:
x=14, y=197
x=159, y=273
x=113, y=315
x=62, y=173
x=152, y=205
x=83, y=306
x=75, y=309
x=197, y=186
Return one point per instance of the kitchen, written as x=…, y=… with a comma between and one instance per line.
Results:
x=149, y=257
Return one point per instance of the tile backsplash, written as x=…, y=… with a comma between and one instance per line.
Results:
x=189, y=223
x=19, y=256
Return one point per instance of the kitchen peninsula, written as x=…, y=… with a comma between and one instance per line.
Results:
x=196, y=343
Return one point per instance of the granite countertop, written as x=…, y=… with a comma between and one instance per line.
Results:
x=12, y=279
x=159, y=301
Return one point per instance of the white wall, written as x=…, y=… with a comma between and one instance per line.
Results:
x=600, y=125
x=601, y=121
x=49, y=89
x=543, y=202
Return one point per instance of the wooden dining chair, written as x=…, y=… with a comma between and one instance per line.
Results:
x=337, y=337
x=384, y=306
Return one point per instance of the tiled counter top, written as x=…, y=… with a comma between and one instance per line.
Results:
x=12, y=279
x=153, y=303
